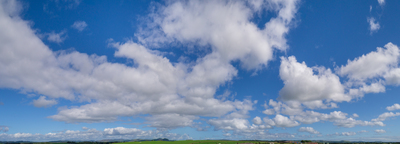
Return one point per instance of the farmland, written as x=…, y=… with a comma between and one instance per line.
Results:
x=199, y=142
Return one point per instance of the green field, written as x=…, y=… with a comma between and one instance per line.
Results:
x=194, y=142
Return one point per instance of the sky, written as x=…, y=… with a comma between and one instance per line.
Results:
x=268, y=70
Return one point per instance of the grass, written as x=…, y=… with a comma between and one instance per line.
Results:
x=193, y=142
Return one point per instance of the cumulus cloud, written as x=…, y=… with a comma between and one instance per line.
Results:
x=386, y=115
x=303, y=85
x=350, y=122
x=4, y=129
x=362, y=131
x=43, y=102
x=373, y=64
x=380, y=131
x=79, y=25
x=226, y=26
x=257, y=120
x=154, y=86
x=393, y=107
x=371, y=72
x=297, y=113
x=309, y=130
x=56, y=37
x=373, y=25
x=281, y=121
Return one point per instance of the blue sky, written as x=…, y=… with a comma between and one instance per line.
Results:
x=92, y=70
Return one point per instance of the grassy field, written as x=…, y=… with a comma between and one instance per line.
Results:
x=194, y=142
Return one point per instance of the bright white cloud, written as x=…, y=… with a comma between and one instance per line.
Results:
x=308, y=129
x=386, y=115
x=154, y=86
x=229, y=124
x=373, y=64
x=302, y=85
x=281, y=121
x=43, y=102
x=393, y=107
x=380, y=131
x=338, y=118
x=56, y=37
x=373, y=25
x=226, y=26
x=79, y=25
x=355, y=115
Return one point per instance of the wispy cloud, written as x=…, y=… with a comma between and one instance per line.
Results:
x=79, y=25
x=373, y=25
x=56, y=37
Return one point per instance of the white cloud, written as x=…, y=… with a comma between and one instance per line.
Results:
x=350, y=122
x=154, y=86
x=355, y=115
x=309, y=130
x=79, y=25
x=257, y=120
x=56, y=37
x=4, y=129
x=269, y=112
x=393, y=77
x=380, y=131
x=386, y=115
x=393, y=107
x=281, y=121
x=381, y=2
x=226, y=26
x=338, y=118
x=43, y=102
x=362, y=131
x=373, y=25
x=229, y=124
x=85, y=128
x=302, y=85
x=373, y=64
x=366, y=73
x=348, y=133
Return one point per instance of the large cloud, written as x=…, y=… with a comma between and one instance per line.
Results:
x=373, y=64
x=153, y=85
x=303, y=85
